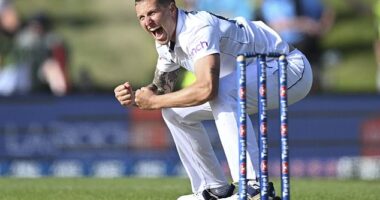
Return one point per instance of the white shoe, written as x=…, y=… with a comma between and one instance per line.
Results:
x=208, y=195
x=200, y=197
x=191, y=197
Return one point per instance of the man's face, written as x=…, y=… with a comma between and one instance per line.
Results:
x=158, y=20
x=9, y=19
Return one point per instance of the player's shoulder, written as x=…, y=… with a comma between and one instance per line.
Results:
x=195, y=19
x=198, y=15
x=191, y=22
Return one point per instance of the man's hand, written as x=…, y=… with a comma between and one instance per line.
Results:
x=143, y=98
x=124, y=94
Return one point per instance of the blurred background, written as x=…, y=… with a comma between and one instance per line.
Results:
x=61, y=59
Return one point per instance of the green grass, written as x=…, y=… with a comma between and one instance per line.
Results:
x=167, y=189
x=91, y=188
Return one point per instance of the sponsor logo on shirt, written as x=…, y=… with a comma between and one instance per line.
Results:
x=201, y=45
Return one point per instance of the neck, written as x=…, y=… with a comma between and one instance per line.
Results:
x=172, y=40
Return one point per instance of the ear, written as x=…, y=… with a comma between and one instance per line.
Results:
x=172, y=7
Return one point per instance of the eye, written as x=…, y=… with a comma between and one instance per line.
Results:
x=152, y=13
x=141, y=18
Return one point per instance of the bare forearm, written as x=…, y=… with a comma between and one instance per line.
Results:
x=193, y=95
x=202, y=90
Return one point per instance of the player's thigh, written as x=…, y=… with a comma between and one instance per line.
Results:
x=188, y=114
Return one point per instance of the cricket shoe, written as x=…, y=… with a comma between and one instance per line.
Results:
x=208, y=195
x=253, y=191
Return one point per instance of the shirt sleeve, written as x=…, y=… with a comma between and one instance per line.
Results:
x=204, y=42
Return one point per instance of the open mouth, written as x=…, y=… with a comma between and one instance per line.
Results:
x=158, y=32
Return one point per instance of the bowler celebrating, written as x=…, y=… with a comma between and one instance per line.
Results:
x=207, y=45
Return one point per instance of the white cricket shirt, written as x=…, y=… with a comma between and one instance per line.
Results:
x=199, y=34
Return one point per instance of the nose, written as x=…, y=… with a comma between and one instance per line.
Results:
x=148, y=21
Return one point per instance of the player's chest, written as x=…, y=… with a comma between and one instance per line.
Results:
x=181, y=58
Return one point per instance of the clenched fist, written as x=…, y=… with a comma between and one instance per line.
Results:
x=143, y=98
x=124, y=94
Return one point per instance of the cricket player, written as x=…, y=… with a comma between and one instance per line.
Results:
x=207, y=45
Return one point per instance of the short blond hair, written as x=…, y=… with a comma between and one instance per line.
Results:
x=161, y=2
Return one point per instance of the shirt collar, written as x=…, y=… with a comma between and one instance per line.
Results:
x=180, y=22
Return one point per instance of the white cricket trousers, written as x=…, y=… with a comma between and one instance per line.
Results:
x=192, y=141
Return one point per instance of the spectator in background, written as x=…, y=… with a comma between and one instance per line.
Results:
x=31, y=56
x=14, y=68
x=51, y=56
x=302, y=23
